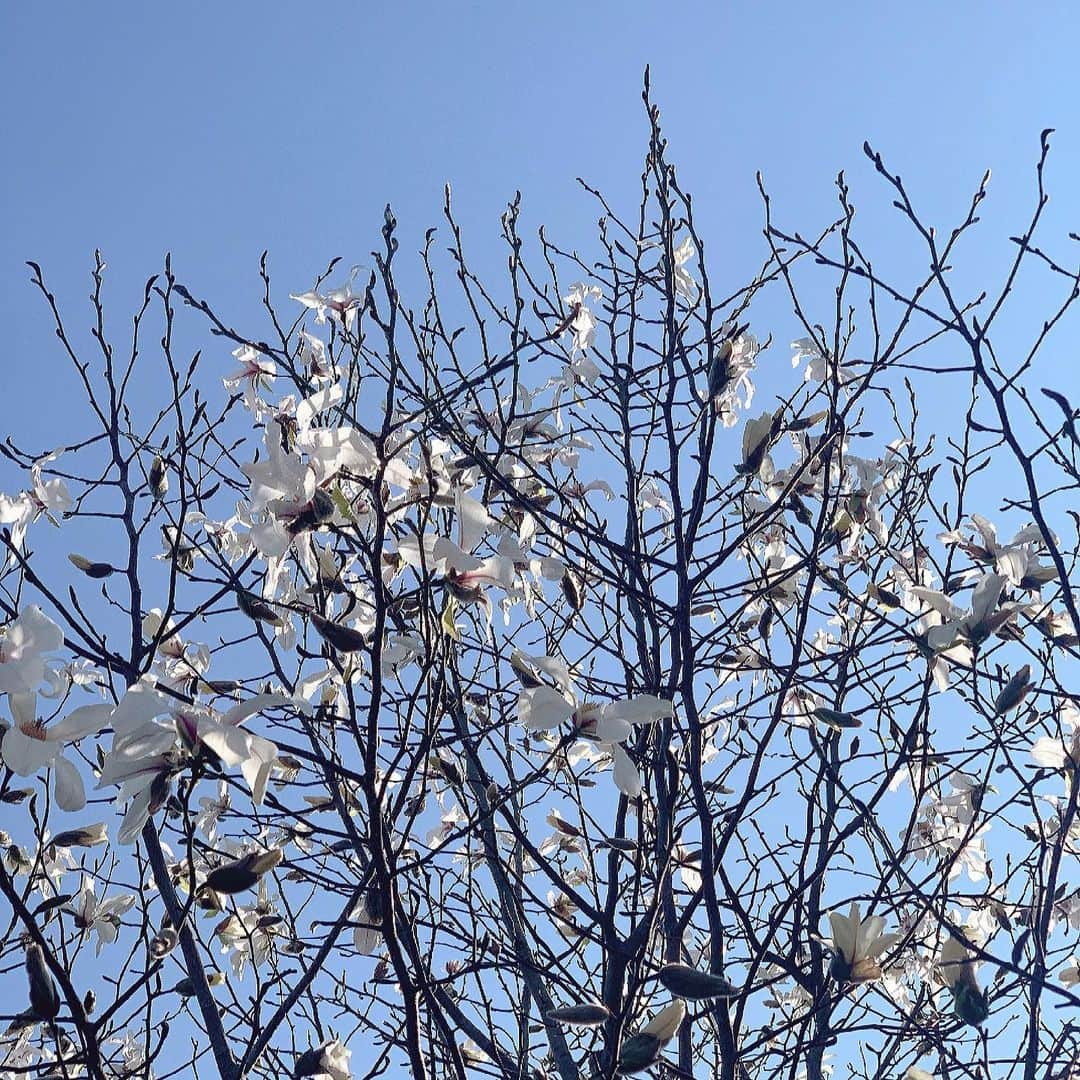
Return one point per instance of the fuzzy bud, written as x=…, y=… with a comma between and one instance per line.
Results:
x=44, y=997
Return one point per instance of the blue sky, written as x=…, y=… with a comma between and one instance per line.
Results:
x=218, y=130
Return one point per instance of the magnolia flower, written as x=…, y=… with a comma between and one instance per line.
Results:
x=757, y=437
x=685, y=285
x=974, y=626
x=1016, y=560
x=341, y=303
x=330, y=1061
x=1070, y=975
x=22, y=643
x=582, y=322
x=819, y=366
x=1060, y=751
x=856, y=944
x=542, y=708
x=49, y=497
x=956, y=966
x=255, y=372
x=100, y=917
x=30, y=745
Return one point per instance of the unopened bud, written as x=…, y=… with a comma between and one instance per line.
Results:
x=90, y=568
x=687, y=982
x=256, y=608
x=159, y=478
x=44, y=998
x=236, y=877
x=164, y=942
x=343, y=638
x=587, y=1014
x=1014, y=691
x=90, y=836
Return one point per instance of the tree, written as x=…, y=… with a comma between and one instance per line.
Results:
x=490, y=687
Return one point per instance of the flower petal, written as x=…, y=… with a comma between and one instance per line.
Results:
x=68, y=785
x=23, y=755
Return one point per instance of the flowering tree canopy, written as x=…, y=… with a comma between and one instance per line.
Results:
x=540, y=678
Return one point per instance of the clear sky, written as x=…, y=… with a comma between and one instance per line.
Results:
x=218, y=130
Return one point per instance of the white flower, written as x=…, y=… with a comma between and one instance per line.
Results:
x=49, y=497
x=857, y=943
x=341, y=303
x=685, y=285
x=255, y=372
x=22, y=645
x=30, y=745
x=102, y=918
x=582, y=323
x=609, y=723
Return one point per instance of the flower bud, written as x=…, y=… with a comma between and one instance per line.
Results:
x=163, y=942
x=90, y=568
x=90, y=836
x=970, y=1004
x=343, y=638
x=44, y=997
x=587, y=1014
x=256, y=608
x=1014, y=691
x=687, y=982
x=159, y=478
x=638, y=1053
x=571, y=589
x=235, y=877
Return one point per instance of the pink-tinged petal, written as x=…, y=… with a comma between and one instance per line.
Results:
x=626, y=775
x=25, y=756
x=80, y=722
x=543, y=708
x=449, y=556
x=68, y=785
x=140, y=754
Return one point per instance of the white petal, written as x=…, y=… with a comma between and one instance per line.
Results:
x=138, y=813
x=626, y=776
x=543, y=708
x=80, y=722
x=23, y=755
x=68, y=785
